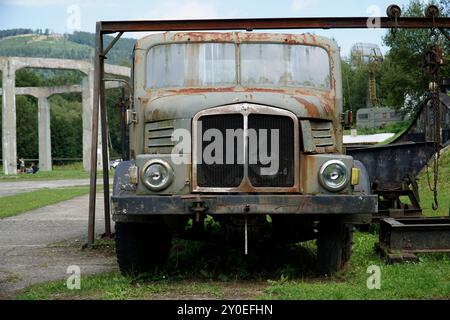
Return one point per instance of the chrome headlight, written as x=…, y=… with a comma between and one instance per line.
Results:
x=157, y=175
x=333, y=175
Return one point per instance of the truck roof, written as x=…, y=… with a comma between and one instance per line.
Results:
x=237, y=37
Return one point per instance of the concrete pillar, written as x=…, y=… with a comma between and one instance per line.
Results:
x=87, y=103
x=9, y=146
x=45, y=142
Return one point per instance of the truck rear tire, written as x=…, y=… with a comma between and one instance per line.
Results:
x=334, y=245
x=142, y=247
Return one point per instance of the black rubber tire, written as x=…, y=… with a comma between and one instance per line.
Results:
x=334, y=246
x=142, y=247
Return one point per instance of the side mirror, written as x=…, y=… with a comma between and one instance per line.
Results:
x=130, y=117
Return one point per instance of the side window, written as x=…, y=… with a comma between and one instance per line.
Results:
x=363, y=116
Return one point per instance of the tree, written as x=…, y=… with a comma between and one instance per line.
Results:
x=354, y=83
x=401, y=73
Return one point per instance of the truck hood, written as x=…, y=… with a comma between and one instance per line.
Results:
x=184, y=104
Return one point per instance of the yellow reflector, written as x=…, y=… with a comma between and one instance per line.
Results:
x=355, y=176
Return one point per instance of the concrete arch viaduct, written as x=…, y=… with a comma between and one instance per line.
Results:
x=9, y=66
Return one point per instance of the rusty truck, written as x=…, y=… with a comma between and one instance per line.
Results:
x=190, y=90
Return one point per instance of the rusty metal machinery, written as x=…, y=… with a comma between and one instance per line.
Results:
x=393, y=167
x=402, y=239
x=393, y=21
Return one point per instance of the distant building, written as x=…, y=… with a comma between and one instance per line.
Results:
x=377, y=117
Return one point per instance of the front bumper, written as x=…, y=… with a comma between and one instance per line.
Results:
x=124, y=205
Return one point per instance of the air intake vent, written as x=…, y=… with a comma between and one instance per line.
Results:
x=322, y=134
x=318, y=136
x=158, y=136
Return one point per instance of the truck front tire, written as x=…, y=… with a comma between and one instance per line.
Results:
x=334, y=245
x=142, y=247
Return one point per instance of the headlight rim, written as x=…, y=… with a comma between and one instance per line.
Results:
x=163, y=163
x=322, y=180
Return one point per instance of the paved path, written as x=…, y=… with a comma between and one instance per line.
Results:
x=39, y=245
x=368, y=138
x=14, y=187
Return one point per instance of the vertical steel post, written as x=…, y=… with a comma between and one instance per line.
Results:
x=98, y=76
x=122, y=123
x=104, y=119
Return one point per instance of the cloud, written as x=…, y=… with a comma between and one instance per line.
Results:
x=36, y=3
x=299, y=5
x=179, y=10
x=45, y=3
x=183, y=10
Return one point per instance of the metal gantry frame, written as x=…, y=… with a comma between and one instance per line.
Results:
x=394, y=21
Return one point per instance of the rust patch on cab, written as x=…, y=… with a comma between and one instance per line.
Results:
x=310, y=107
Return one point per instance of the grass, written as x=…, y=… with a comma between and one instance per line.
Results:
x=197, y=271
x=19, y=203
x=116, y=287
x=394, y=128
x=426, y=195
x=69, y=171
x=429, y=279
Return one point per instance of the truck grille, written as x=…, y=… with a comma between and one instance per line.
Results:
x=285, y=174
x=248, y=172
x=221, y=175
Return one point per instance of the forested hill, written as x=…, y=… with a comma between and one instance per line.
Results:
x=42, y=43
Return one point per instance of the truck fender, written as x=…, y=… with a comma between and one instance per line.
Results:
x=364, y=180
x=122, y=179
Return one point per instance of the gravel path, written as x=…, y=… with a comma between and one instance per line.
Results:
x=39, y=245
x=14, y=187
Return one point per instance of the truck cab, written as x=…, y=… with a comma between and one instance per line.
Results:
x=244, y=129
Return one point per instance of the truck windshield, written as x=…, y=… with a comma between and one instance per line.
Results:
x=214, y=64
x=191, y=65
x=284, y=65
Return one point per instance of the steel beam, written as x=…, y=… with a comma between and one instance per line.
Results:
x=272, y=23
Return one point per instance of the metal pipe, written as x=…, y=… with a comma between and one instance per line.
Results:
x=122, y=123
x=246, y=237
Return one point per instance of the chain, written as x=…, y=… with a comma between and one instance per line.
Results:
x=431, y=66
x=437, y=142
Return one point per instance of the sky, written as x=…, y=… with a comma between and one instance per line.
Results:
x=66, y=16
